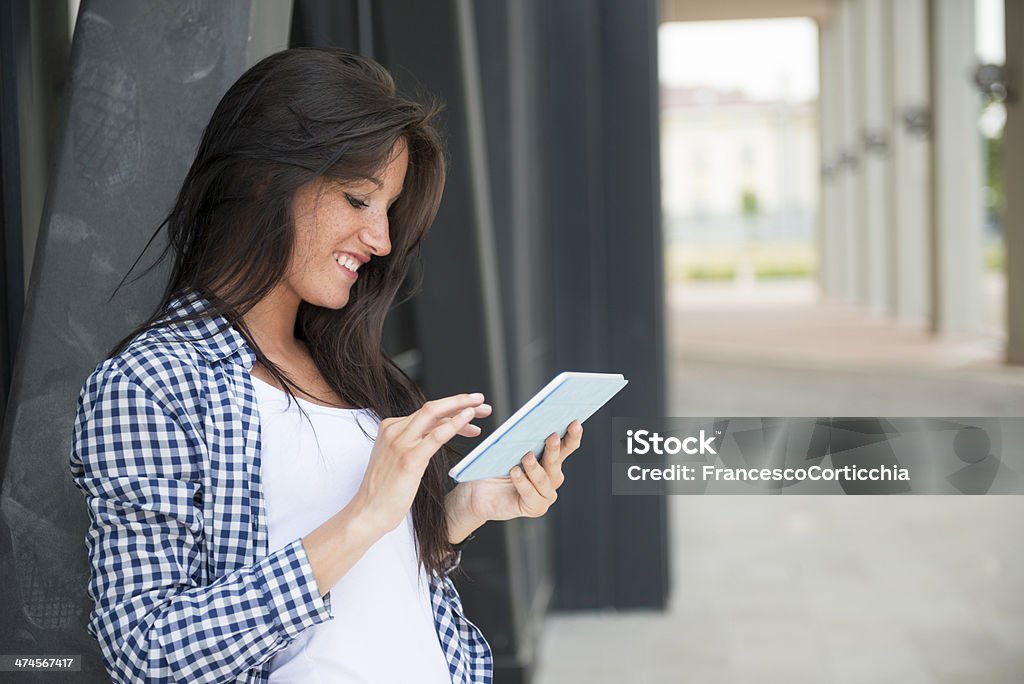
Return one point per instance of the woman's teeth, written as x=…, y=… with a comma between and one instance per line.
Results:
x=348, y=262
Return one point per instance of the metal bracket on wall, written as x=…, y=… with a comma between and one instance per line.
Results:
x=993, y=80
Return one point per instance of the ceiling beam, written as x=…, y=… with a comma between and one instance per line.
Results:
x=723, y=10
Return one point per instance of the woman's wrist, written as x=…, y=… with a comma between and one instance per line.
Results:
x=336, y=545
x=461, y=521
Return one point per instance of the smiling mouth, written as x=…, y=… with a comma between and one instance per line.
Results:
x=348, y=265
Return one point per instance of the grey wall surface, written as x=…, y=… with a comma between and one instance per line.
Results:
x=144, y=80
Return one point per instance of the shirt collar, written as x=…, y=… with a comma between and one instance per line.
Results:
x=212, y=335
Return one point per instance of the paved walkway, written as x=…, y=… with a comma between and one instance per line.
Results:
x=820, y=589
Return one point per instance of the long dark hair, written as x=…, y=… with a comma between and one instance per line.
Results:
x=297, y=116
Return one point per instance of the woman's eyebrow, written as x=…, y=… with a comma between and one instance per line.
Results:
x=380, y=186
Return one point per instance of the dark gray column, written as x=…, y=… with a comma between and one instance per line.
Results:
x=633, y=269
x=15, y=57
x=34, y=40
x=605, y=244
x=143, y=82
x=462, y=308
x=579, y=323
x=511, y=68
x=566, y=155
x=323, y=23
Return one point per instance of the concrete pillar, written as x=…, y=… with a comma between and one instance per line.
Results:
x=831, y=266
x=911, y=160
x=874, y=138
x=851, y=83
x=957, y=263
x=1013, y=183
x=133, y=109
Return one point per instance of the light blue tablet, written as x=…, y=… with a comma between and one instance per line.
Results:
x=570, y=396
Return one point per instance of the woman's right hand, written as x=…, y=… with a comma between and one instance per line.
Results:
x=401, y=452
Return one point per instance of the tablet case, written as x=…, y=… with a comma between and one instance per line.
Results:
x=569, y=396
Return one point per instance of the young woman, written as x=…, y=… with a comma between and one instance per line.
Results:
x=267, y=490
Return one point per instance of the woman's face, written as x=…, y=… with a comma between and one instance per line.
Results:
x=337, y=234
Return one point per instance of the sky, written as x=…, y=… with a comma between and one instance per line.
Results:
x=988, y=31
x=766, y=59
x=774, y=58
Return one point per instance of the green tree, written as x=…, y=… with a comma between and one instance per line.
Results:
x=994, y=170
x=749, y=205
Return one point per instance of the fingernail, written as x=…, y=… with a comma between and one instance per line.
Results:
x=529, y=458
x=486, y=406
x=476, y=396
x=516, y=472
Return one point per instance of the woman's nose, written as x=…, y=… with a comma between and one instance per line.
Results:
x=377, y=237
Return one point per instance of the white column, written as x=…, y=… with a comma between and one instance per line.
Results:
x=874, y=137
x=956, y=168
x=1013, y=184
x=911, y=160
x=851, y=81
x=831, y=266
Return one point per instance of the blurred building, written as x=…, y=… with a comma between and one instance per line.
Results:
x=735, y=168
x=900, y=226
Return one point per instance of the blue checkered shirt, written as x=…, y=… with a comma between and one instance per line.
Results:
x=166, y=448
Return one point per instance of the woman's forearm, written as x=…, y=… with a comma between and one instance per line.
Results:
x=461, y=522
x=339, y=543
x=335, y=546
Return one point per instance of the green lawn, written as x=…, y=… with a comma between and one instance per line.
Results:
x=767, y=261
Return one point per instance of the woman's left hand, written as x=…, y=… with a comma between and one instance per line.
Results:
x=528, y=492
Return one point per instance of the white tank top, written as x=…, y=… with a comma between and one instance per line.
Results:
x=383, y=628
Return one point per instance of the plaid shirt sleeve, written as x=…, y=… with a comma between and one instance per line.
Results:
x=155, y=620
x=468, y=653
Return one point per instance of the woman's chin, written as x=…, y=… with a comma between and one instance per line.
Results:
x=339, y=303
x=333, y=301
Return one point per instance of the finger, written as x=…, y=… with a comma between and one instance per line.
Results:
x=426, y=418
x=571, y=441
x=470, y=431
x=433, y=440
x=552, y=461
x=539, y=476
x=482, y=411
x=533, y=504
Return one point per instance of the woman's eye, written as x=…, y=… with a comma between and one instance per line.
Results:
x=357, y=203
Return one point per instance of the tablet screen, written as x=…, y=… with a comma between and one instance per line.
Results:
x=569, y=396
